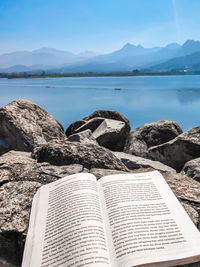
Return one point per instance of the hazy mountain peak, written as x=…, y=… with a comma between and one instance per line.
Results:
x=128, y=45
x=50, y=51
x=191, y=43
x=173, y=46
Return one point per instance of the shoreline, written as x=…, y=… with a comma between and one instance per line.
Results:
x=30, y=76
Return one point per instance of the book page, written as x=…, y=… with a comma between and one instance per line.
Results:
x=67, y=227
x=148, y=224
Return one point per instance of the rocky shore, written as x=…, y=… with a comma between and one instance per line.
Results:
x=35, y=150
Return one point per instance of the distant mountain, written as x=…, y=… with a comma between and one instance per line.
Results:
x=47, y=57
x=15, y=68
x=23, y=68
x=126, y=59
x=191, y=62
x=189, y=47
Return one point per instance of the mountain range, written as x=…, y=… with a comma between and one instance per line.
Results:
x=130, y=57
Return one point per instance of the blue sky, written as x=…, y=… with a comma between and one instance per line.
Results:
x=97, y=25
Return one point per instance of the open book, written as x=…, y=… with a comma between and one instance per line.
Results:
x=120, y=220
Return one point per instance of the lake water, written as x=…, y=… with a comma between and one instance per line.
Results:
x=141, y=99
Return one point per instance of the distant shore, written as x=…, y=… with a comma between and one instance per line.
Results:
x=114, y=74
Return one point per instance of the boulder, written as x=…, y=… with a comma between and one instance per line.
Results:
x=178, y=151
x=92, y=125
x=192, y=169
x=16, y=199
x=24, y=125
x=109, y=114
x=75, y=125
x=133, y=162
x=111, y=134
x=83, y=137
x=89, y=155
x=19, y=166
x=150, y=134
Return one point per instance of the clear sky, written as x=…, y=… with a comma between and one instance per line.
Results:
x=97, y=25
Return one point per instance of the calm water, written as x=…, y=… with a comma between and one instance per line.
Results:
x=142, y=99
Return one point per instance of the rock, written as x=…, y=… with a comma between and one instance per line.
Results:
x=89, y=155
x=24, y=125
x=178, y=151
x=92, y=125
x=109, y=114
x=111, y=134
x=192, y=169
x=94, y=120
x=150, y=134
x=133, y=162
x=75, y=125
x=83, y=137
x=19, y=166
x=15, y=203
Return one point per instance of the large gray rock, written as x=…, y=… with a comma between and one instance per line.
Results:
x=89, y=155
x=133, y=162
x=19, y=166
x=94, y=120
x=109, y=114
x=92, y=125
x=111, y=134
x=75, y=125
x=16, y=199
x=24, y=125
x=178, y=151
x=150, y=134
x=83, y=137
x=192, y=169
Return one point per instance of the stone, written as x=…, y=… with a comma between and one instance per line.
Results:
x=94, y=120
x=92, y=125
x=19, y=166
x=24, y=125
x=109, y=114
x=83, y=137
x=88, y=155
x=133, y=162
x=15, y=203
x=178, y=151
x=150, y=134
x=75, y=125
x=111, y=134
x=192, y=169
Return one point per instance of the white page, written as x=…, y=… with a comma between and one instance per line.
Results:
x=68, y=227
x=147, y=222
